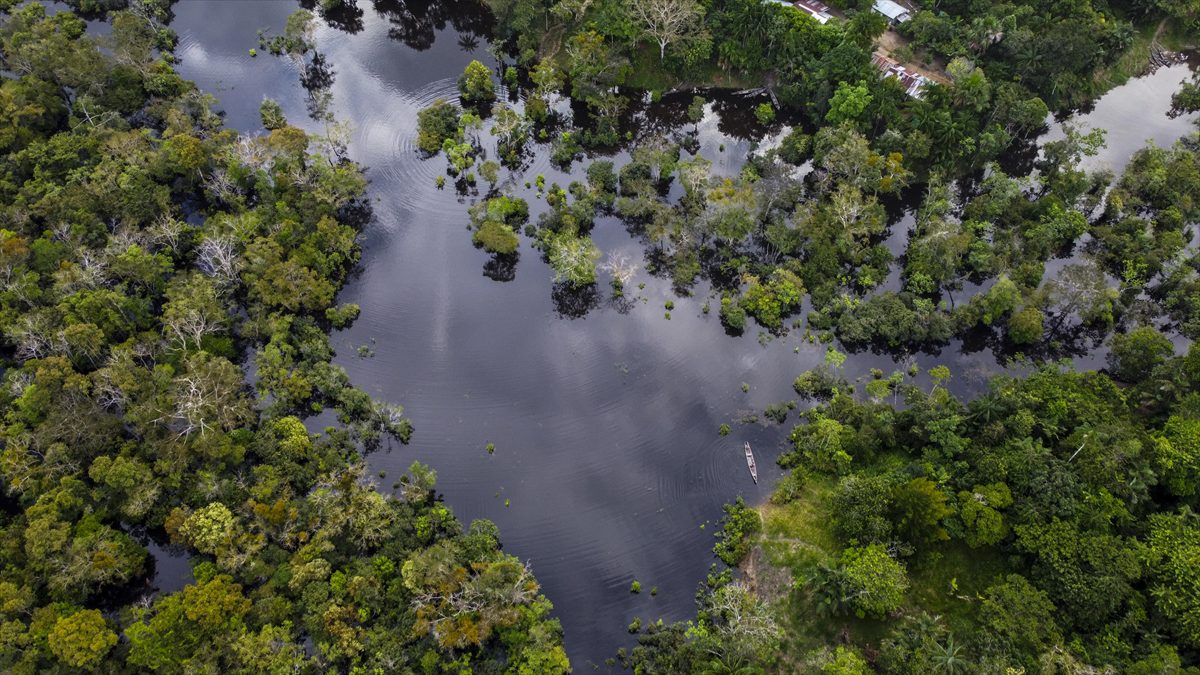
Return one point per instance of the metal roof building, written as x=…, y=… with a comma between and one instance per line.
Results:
x=894, y=11
x=912, y=82
x=815, y=9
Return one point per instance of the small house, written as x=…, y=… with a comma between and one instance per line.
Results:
x=894, y=11
x=816, y=10
x=912, y=82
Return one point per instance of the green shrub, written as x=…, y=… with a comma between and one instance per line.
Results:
x=877, y=581
x=495, y=237
x=1135, y=354
x=764, y=113
x=436, y=124
x=475, y=85
x=795, y=147
x=1025, y=326
x=738, y=528
x=732, y=315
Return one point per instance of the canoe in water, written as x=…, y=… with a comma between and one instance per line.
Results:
x=750, y=463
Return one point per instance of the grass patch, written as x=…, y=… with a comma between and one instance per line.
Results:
x=1176, y=37
x=648, y=73
x=948, y=580
x=808, y=630
x=951, y=579
x=1135, y=62
x=796, y=535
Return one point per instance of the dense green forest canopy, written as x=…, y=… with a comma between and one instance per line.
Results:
x=150, y=256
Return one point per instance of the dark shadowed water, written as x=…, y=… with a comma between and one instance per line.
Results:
x=607, y=460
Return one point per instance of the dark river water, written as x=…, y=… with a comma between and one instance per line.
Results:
x=608, y=467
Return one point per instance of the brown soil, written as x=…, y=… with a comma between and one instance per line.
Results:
x=768, y=582
x=890, y=41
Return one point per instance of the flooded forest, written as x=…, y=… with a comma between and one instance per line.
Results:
x=525, y=336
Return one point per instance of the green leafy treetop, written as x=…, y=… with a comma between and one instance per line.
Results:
x=475, y=85
x=81, y=640
x=876, y=581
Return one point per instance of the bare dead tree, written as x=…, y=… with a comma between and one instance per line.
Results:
x=24, y=288
x=62, y=232
x=253, y=152
x=34, y=337
x=167, y=232
x=218, y=258
x=336, y=141
x=622, y=269
x=488, y=599
x=846, y=206
x=102, y=119
x=192, y=407
x=220, y=185
x=667, y=21
x=695, y=175
x=123, y=237
x=191, y=325
x=207, y=398
x=741, y=623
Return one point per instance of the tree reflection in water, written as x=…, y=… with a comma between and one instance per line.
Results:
x=574, y=302
x=416, y=24
x=346, y=16
x=501, y=267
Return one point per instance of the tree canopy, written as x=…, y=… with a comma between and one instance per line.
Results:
x=150, y=254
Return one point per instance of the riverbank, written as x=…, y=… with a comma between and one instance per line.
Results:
x=1150, y=39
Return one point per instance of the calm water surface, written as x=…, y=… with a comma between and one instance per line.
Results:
x=608, y=467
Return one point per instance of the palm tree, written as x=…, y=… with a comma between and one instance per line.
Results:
x=987, y=408
x=948, y=657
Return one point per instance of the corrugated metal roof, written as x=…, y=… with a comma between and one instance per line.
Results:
x=912, y=82
x=892, y=10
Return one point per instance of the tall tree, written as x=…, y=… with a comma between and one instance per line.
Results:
x=668, y=22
